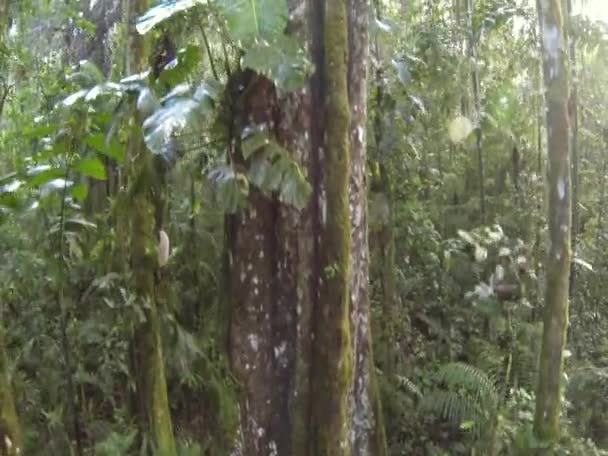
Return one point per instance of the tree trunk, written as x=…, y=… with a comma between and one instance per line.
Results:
x=386, y=234
x=599, y=252
x=573, y=112
x=555, y=68
x=10, y=443
x=148, y=363
x=472, y=48
x=299, y=328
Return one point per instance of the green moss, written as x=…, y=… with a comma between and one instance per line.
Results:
x=333, y=358
x=9, y=422
x=142, y=199
x=548, y=399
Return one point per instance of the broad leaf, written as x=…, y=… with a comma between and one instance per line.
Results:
x=249, y=20
x=179, y=109
x=253, y=140
x=163, y=11
x=282, y=61
x=112, y=148
x=92, y=167
x=79, y=192
x=43, y=174
x=180, y=68
x=295, y=190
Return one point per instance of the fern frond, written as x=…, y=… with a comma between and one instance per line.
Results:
x=409, y=386
x=463, y=393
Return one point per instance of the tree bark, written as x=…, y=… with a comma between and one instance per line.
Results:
x=472, y=54
x=148, y=363
x=573, y=112
x=299, y=337
x=555, y=69
x=386, y=234
x=10, y=443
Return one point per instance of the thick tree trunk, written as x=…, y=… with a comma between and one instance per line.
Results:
x=148, y=363
x=299, y=328
x=554, y=49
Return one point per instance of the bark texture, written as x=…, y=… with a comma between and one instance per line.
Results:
x=554, y=49
x=148, y=362
x=299, y=335
x=10, y=442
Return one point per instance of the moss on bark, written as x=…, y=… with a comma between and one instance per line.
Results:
x=10, y=442
x=149, y=369
x=332, y=363
x=548, y=400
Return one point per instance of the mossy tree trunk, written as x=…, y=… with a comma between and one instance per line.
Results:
x=10, y=442
x=298, y=280
x=555, y=69
x=382, y=189
x=148, y=363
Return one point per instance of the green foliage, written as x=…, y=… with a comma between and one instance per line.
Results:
x=461, y=356
x=463, y=395
x=258, y=27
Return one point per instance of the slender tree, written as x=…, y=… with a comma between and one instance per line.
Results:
x=298, y=280
x=472, y=54
x=573, y=111
x=386, y=232
x=143, y=192
x=10, y=443
x=556, y=77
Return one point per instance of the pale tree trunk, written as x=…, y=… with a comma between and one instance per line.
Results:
x=298, y=280
x=472, y=53
x=601, y=203
x=555, y=68
x=573, y=110
x=148, y=363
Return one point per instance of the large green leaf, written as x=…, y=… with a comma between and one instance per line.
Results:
x=295, y=190
x=43, y=174
x=79, y=192
x=254, y=139
x=163, y=11
x=249, y=20
x=232, y=187
x=112, y=148
x=179, y=109
x=283, y=61
x=92, y=167
x=182, y=67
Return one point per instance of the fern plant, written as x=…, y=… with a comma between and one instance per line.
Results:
x=467, y=397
